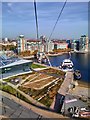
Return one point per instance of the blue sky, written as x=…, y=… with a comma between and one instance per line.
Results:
x=18, y=18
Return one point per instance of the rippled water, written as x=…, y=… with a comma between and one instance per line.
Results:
x=81, y=62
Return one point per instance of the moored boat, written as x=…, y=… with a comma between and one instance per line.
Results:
x=66, y=65
x=77, y=74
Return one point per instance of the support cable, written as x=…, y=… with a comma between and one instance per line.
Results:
x=57, y=19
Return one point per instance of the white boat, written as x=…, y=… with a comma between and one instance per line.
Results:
x=66, y=65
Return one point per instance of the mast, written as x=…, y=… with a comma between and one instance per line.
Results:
x=37, y=35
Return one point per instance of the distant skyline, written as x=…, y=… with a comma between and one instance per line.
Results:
x=18, y=18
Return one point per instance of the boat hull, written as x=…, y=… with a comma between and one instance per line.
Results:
x=66, y=70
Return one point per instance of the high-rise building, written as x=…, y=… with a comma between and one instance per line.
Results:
x=84, y=43
x=75, y=44
x=87, y=44
x=69, y=43
x=21, y=44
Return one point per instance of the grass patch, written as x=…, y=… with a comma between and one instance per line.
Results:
x=8, y=89
x=47, y=101
x=37, y=66
x=12, y=91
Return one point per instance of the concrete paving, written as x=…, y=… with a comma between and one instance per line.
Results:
x=64, y=88
x=77, y=103
x=60, y=96
x=12, y=109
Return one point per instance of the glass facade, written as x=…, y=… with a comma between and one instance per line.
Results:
x=83, y=42
x=16, y=67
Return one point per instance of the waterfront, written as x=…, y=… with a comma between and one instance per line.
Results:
x=81, y=62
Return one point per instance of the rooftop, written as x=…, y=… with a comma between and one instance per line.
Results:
x=11, y=61
x=33, y=40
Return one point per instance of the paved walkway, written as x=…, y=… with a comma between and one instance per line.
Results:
x=67, y=103
x=64, y=88
x=13, y=107
x=60, y=96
